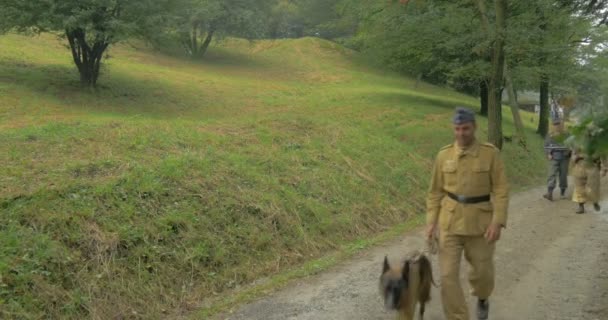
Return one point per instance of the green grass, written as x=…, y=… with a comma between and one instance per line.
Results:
x=312, y=267
x=178, y=181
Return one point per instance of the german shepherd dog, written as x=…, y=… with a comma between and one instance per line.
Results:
x=403, y=286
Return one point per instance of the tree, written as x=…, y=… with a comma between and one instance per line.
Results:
x=90, y=26
x=499, y=71
x=590, y=135
x=445, y=42
x=597, y=9
x=519, y=125
x=286, y=20
x=438, y=41
x=195, y=23
x=543, y=123
x=496, y=79
x=484, y=89
x=462, y=43
x=329, y=19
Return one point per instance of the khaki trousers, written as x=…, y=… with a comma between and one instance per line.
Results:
x=480, y=256
x=587, y=185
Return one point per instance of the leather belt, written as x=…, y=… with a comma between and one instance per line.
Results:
x=464, y=199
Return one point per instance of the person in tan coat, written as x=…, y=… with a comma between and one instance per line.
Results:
x=467, y=205
x=586, y=173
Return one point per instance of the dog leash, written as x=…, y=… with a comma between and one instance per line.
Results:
x=432, y=246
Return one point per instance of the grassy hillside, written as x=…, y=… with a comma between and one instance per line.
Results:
x=178, y=180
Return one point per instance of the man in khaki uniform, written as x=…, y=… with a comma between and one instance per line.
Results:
x=467, y=205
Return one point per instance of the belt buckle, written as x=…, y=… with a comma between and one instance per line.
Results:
x=461, y=198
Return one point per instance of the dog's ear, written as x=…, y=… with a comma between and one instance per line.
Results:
x=385, y=266
x=405, y=273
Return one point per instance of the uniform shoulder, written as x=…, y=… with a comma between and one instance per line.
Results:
x=445, y=149
x=449, y=146
x=490, y=146
x=489, y=150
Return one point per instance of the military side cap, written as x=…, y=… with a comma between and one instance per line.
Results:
x=463, y=115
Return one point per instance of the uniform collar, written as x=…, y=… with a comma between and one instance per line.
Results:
x=473, y=150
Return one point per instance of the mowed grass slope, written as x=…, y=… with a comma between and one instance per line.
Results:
x=177, y=180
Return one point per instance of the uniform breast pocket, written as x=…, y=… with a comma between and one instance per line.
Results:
x=449, y=173
x=481, y=177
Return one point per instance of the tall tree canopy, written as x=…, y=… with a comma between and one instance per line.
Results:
x=456, y=43
x=196, y=22
x=322, y=18
x=90, y=26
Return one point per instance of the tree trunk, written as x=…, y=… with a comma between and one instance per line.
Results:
x=495, y=89
x=192, y=42
x=543, y=123
x=86, y=58
x=483, y=97
x=484, y=94
x=205, y=45
x=519, y=125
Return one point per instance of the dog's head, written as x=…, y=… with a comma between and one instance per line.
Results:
x=394, y=283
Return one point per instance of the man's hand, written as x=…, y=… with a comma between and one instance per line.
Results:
x=493, y=232
x=430, y=231
x=550, y=156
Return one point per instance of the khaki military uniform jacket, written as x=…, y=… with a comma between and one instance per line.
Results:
x=476, y=171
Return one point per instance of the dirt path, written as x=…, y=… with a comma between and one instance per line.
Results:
x=551, y=264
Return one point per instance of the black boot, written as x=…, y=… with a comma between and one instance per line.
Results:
x=597, y=207
x=483, y=309
x=549, y=195
x=563, y=193
x=581, y=208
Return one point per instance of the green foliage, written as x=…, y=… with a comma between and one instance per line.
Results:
x=547, y=40
x=286, y=20
x=90, y=26
x=590, y=135
x=588, y=81
x=99, y=19
x=437, y=39
x=194, y=23
x=320, y=18
x=177, y=181
x=445, y=41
